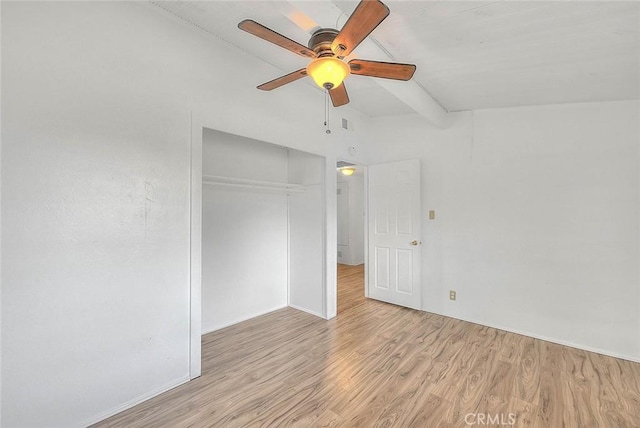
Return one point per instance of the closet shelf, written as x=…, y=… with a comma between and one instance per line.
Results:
x=244, y=183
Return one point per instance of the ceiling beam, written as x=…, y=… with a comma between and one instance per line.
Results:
x=413, y=94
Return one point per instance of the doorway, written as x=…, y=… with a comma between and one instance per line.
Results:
x=351, y=235
x=391, y=246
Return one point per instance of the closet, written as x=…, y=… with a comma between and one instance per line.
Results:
x=263, y=222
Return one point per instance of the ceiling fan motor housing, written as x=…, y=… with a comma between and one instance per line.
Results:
x=320, y=41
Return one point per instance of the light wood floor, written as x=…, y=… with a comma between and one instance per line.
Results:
x=350, y=287
x=377, y=364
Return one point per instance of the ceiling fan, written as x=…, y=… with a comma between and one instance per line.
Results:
x=328, y=48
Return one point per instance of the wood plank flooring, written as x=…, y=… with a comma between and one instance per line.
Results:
x=350, y=287
x=380, y=365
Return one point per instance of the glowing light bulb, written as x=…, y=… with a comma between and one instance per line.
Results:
x=347, y=170
x=328, y=72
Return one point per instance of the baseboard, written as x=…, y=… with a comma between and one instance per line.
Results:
x=307, y=311
x=545, y=338
x=131, y=403
x=257, y=314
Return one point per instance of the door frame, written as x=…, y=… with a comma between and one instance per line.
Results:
x=366, y=232
x=195, y=249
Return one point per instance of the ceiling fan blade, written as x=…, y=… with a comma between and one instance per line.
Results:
x=259, y=30
x=339, y=96
x=283, y=80
x=386, y=70
x=367, y=16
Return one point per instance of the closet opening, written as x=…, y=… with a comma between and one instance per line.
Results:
x=263, y=230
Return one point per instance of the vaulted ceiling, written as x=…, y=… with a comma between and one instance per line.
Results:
x=469, y=55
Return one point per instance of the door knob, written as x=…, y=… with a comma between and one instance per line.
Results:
x=414, y=242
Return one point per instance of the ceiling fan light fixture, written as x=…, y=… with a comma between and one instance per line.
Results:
x=347, y=170
x=328, y=72
x=328, y=47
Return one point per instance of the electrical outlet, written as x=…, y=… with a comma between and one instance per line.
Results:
x=432, y=215
x=452, y=295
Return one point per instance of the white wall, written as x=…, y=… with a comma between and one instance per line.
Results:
x=307, y=249
x=95, y=212
x=244, y=232
x=98, y=104
x=0, y=228
x=536, y=219
x=342, y=213
x=351, y=219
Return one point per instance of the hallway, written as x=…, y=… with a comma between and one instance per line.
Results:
x=350, y=287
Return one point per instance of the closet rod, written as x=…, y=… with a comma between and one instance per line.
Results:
x=252, y=184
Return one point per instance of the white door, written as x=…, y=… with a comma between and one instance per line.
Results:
x=394, y=233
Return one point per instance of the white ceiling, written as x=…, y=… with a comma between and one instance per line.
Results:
x=469, y=55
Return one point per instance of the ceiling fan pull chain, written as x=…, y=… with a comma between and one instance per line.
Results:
x=326, y=111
